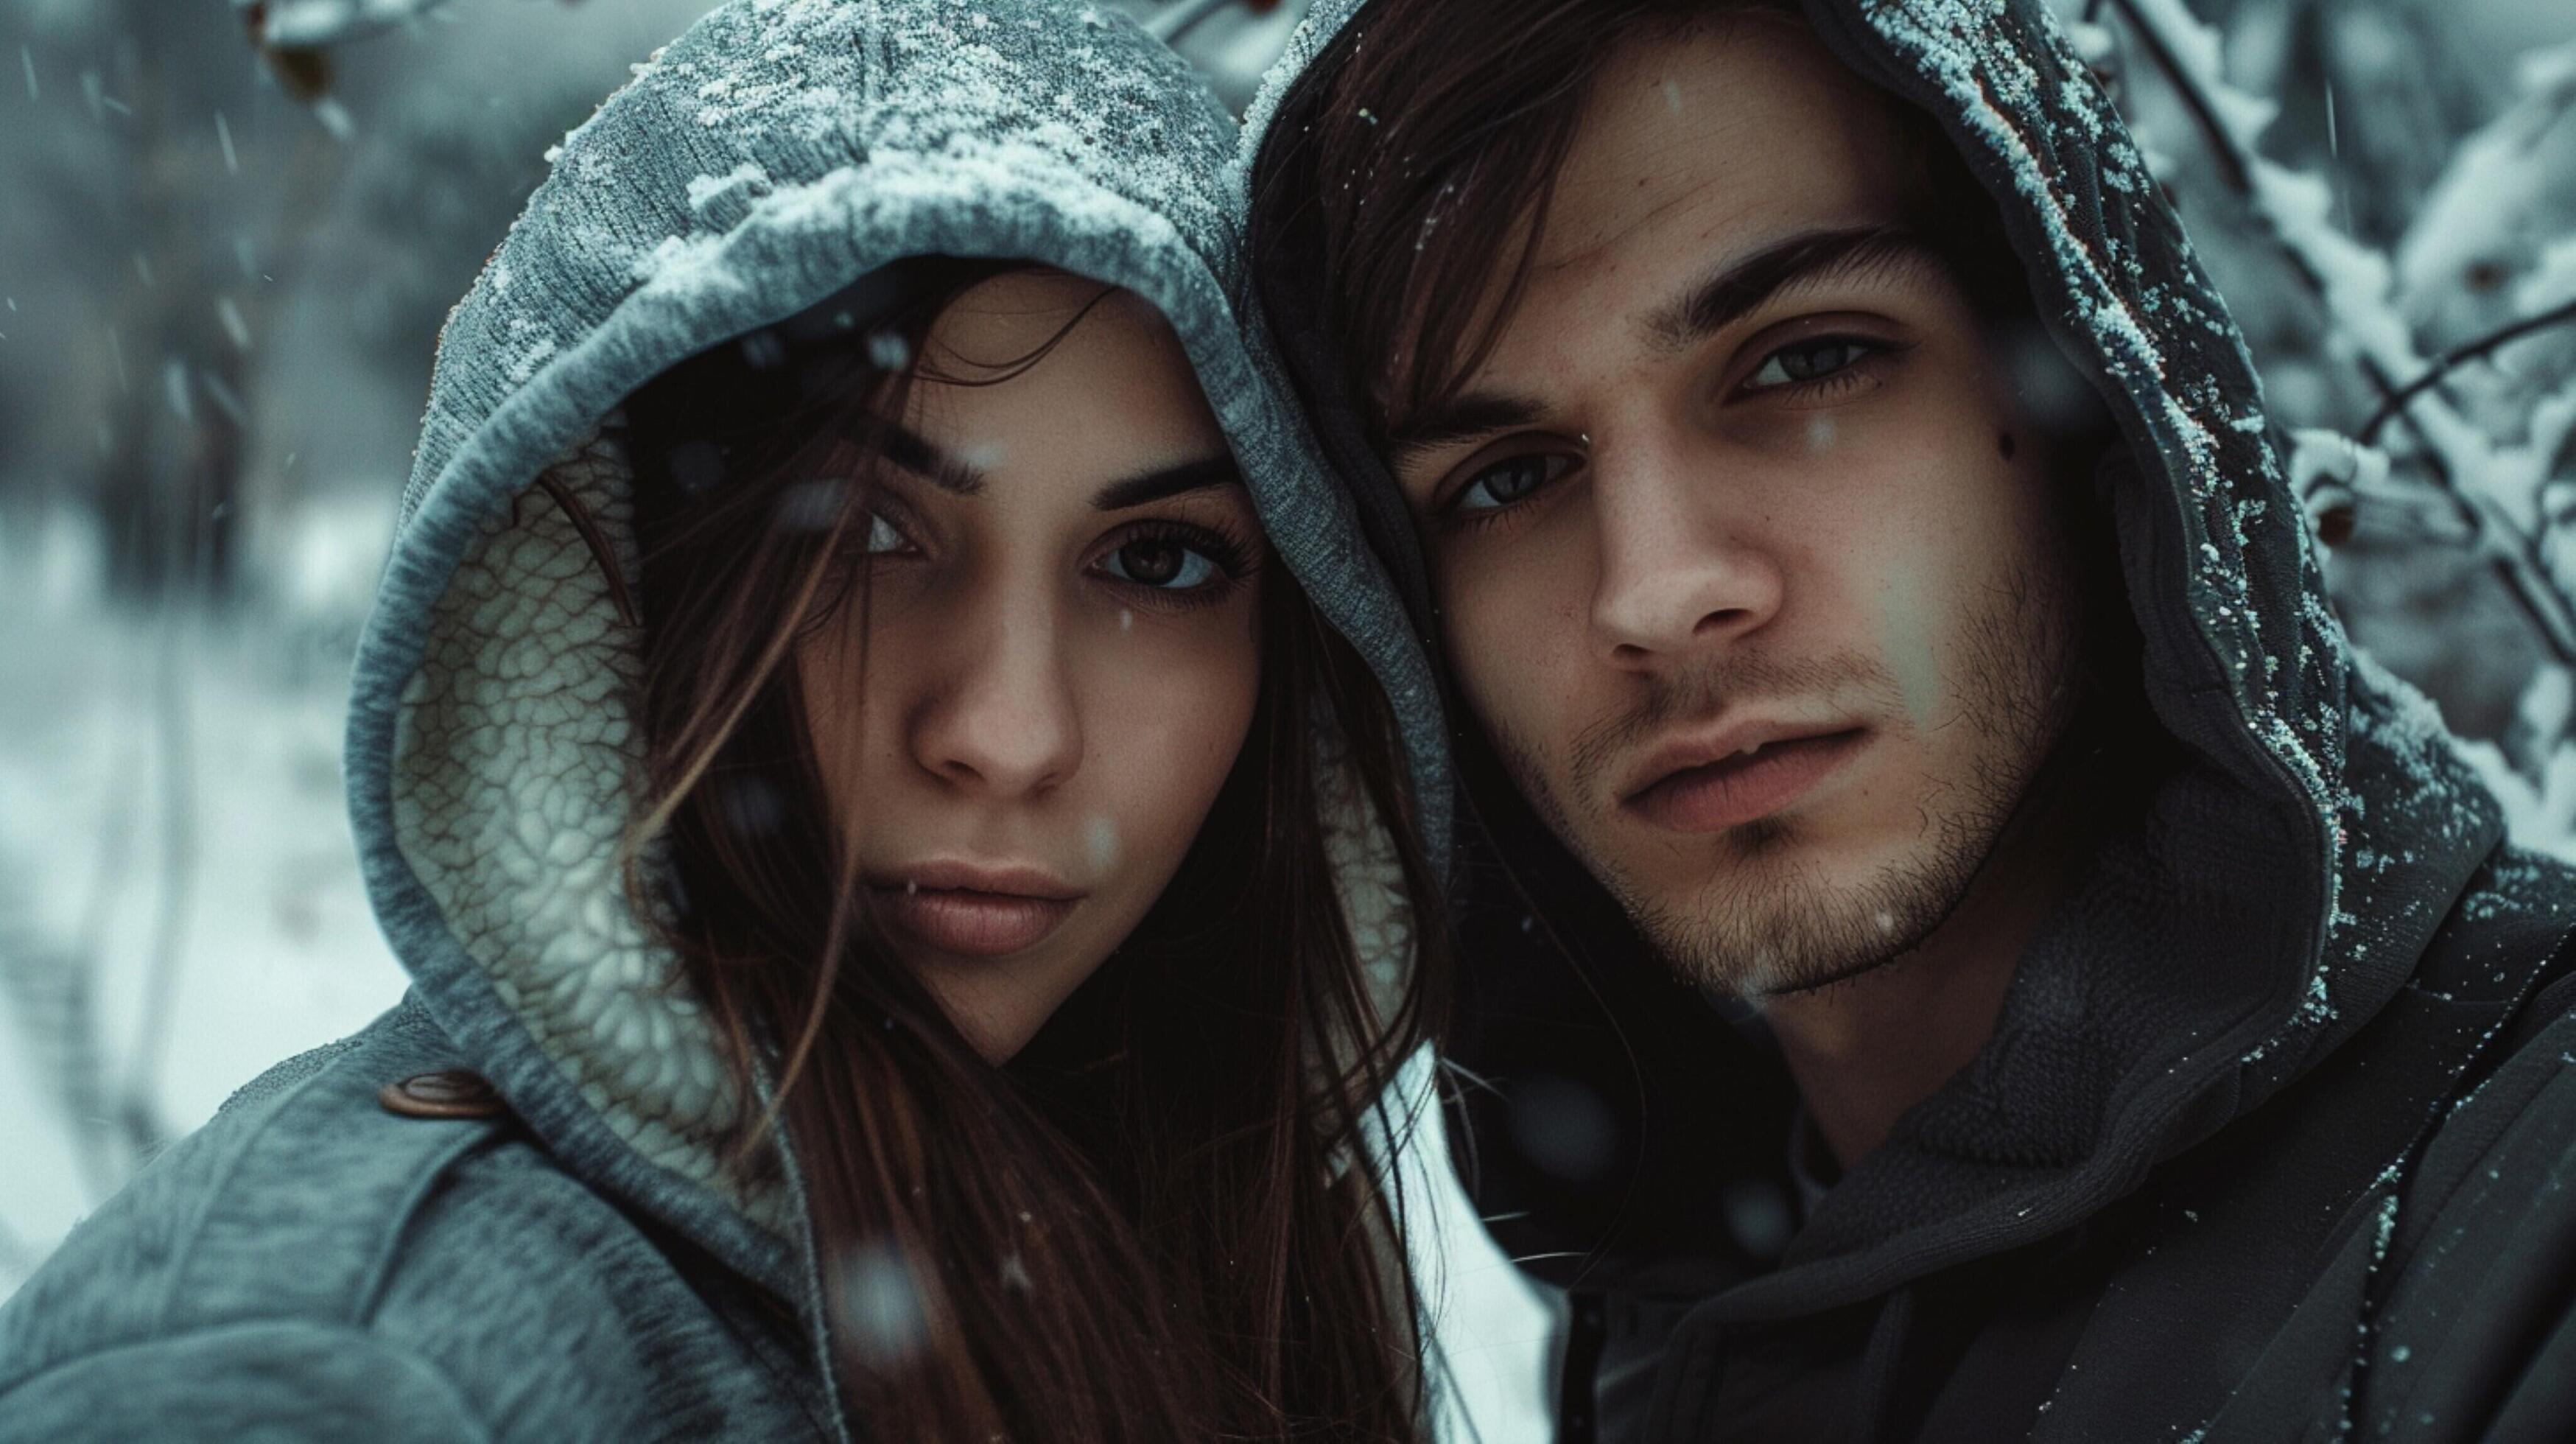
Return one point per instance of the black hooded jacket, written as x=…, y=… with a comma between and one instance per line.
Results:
x=2275, y=1135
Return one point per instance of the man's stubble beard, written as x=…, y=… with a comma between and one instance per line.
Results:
x=1765, y=924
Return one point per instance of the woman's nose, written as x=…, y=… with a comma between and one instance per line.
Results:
x=1004, y=720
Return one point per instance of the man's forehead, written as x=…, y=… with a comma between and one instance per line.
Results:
x=1698, y=149
x=1717, y=134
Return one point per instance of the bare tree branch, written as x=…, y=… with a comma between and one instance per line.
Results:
x=2351, y=280
x=137, y=1106
x=2461, y=355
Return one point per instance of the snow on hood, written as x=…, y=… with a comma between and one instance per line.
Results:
x=771, y=156
x=2325, y=804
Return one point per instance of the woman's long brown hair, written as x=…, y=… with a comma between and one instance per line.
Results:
x=1157, y=1222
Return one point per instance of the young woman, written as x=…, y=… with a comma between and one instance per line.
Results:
x=889, y=769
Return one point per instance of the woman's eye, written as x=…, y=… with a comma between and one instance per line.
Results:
x=883, y=536
x=1161, y=562
x=1511, y=480
x=1807, y=361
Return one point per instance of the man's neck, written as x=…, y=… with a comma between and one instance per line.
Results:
x=1865, y=1050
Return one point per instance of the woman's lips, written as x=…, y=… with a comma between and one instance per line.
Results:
x=967, y=922
x=1736, y=790
x=973, y=910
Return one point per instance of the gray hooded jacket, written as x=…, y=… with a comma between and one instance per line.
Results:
x=577, y=1263
x=2272, y=1138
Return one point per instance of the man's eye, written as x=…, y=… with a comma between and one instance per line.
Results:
x=1161, y=562
x=1511, y=480
x=1808, y=361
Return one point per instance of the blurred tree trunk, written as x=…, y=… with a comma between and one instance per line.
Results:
x=211, y=241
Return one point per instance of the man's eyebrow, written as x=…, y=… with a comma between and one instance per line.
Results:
x=1735, y=289
x=1149, y=486
x=916, y=453
x=1463, y=418
x=1718, y=300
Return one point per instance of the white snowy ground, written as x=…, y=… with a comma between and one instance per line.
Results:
x=278, y=951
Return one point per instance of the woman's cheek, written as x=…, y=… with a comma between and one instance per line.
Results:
x=1177, y=700
x=833, y=687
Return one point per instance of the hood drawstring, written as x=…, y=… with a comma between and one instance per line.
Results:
x=1871, y=1401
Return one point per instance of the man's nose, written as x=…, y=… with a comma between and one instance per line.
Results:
x=1684, y=565
x=1002, y=719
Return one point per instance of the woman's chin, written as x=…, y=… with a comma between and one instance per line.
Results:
x=999, y=995
x=999, y=1009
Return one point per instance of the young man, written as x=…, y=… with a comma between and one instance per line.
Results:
x=1959, y=945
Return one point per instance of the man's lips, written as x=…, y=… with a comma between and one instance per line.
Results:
x=1737, y=776
x=970, y=909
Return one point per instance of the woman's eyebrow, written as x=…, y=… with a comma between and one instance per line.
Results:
x=1168, y=481
x=922, y=457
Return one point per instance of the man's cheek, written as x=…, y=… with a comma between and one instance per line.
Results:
x=1522, y=706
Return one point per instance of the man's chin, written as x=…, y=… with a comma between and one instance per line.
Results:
x=1781, y=924
x=1743, y=967
x=1811, y=975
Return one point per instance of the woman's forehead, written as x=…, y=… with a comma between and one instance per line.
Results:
x=1036, y=304
x=1062, y=361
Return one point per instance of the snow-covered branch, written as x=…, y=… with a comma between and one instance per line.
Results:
x=2490, y=214
x=313, y=24
x=2353, y=283
x=2484, y=346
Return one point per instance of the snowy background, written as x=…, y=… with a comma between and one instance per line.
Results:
x=222, y=265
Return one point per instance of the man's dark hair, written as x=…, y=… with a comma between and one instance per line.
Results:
x=1433, y=133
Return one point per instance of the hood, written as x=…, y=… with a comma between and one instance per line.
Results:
x=773, y=155
x=2278, y=888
